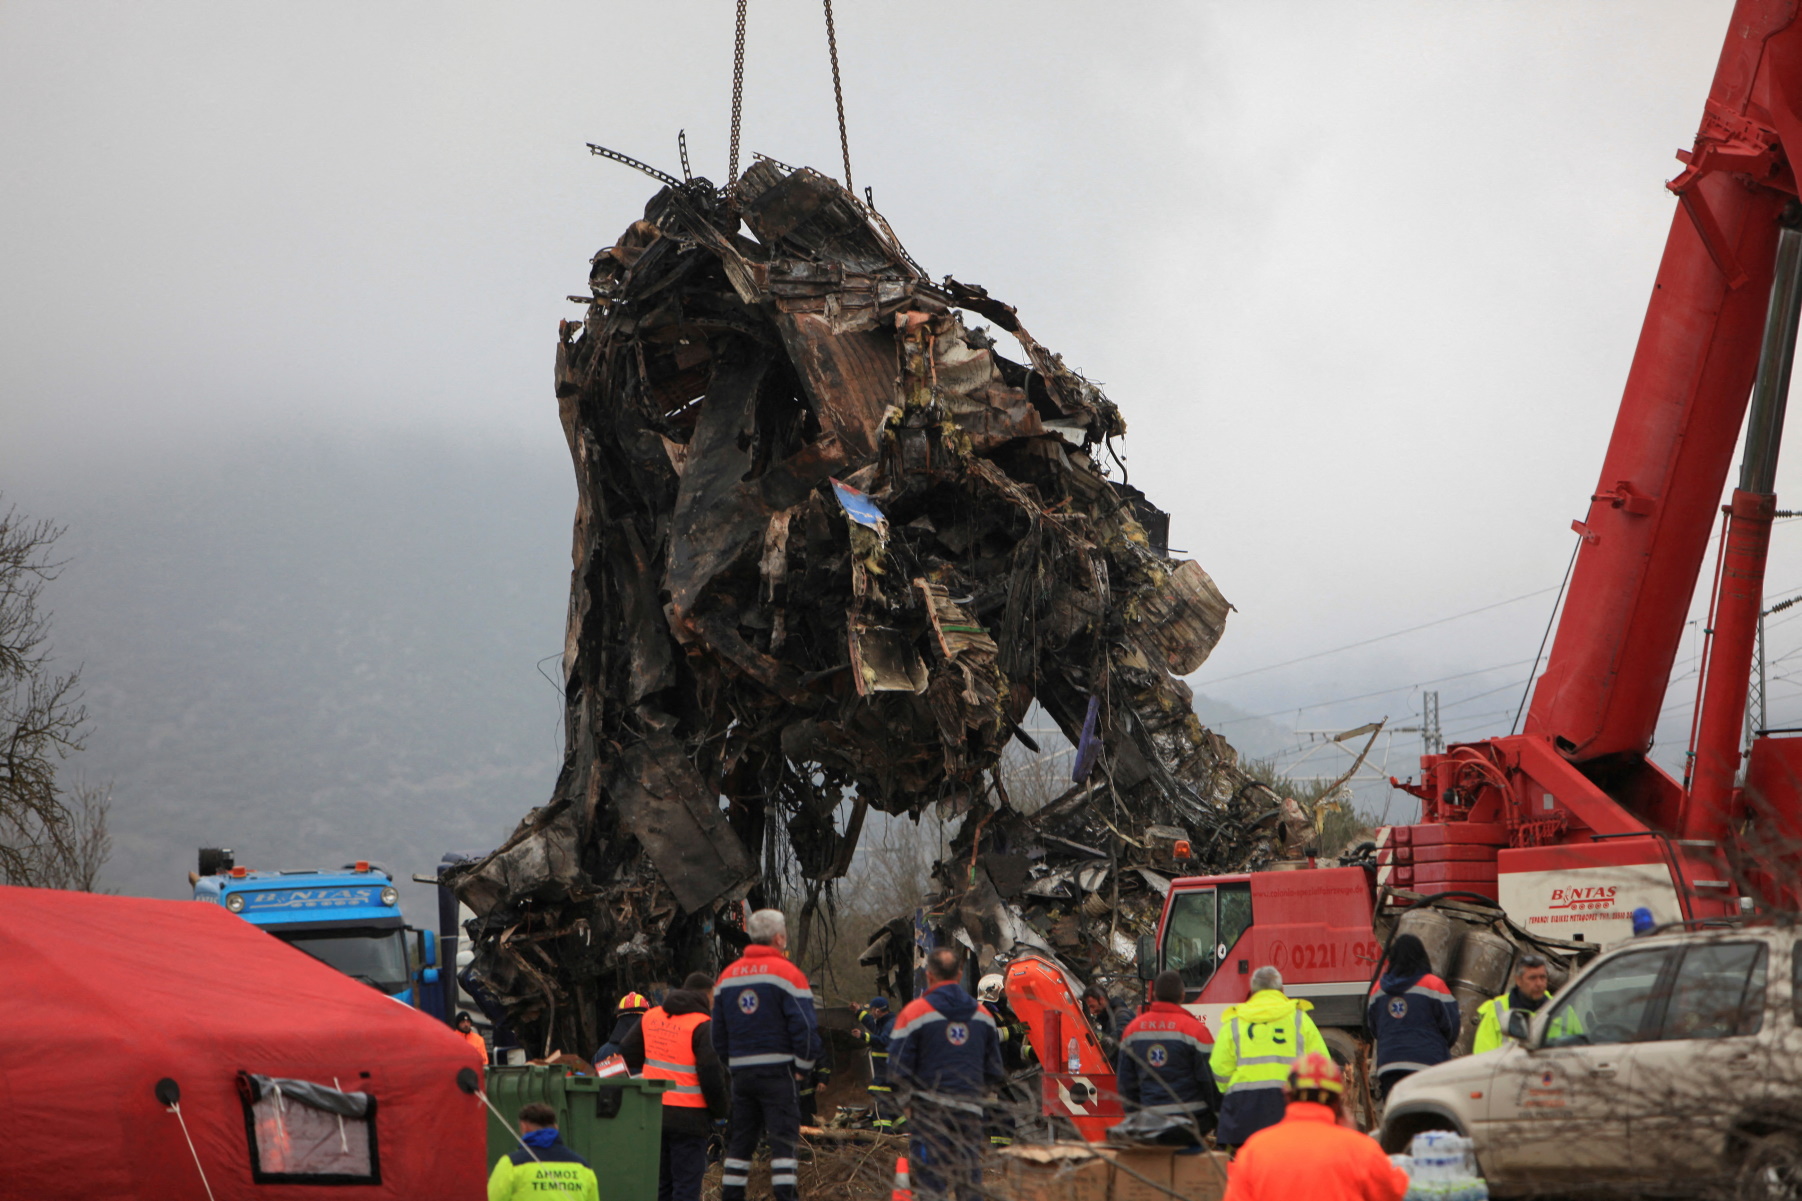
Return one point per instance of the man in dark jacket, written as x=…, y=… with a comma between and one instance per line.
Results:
x=944, y=1054
x=1412, y=1015
x=688, y=1116
x=763, y=1027
x=1164, y=1060
x=874, y=1024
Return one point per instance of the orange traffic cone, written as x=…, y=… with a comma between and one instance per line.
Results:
x=903, y=1190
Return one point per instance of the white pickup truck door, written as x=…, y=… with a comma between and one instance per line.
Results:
x=1564, y=1103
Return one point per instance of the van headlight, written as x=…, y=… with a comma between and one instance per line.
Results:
x=235, y=902
x=389, y=896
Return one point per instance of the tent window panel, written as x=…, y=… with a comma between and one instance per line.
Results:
x=292, y=1142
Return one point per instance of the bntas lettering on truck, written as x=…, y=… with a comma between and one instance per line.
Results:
x=1595, y=897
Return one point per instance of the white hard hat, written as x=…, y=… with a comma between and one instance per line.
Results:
x=989, y=987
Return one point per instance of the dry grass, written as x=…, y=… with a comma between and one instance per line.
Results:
x=831, y=1170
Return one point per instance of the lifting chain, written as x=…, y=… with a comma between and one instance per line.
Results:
x=838, y=94
x=738, y=94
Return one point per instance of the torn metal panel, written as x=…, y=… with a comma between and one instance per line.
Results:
x=665, y=805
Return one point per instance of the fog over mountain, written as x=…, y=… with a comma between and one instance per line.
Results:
x=316, y=653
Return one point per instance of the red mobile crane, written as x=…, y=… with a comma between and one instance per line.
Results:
x=1569, y=826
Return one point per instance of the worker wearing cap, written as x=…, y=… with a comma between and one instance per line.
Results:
x=1163, y=1064
x=764, y=1030
x=1259, y=1040
x=674, y=1043
x=1531, y=990
x=945, y=1055
x=466, y=1026
x=630, y=1010
x=541, y=1166
x=874, y=1025
x=1311, y=1155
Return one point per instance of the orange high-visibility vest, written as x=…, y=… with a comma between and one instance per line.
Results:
x=669, y=1054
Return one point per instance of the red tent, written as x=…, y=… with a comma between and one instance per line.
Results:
x=112, y=996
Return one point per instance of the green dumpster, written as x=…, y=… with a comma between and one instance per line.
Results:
x=615, y=1124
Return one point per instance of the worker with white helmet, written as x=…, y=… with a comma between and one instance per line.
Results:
x=1016, y=1050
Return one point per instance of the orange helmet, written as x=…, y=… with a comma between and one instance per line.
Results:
x=633, y=1002
x=1316, y=1072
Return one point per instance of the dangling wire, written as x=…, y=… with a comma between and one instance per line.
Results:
x=738, y=94
x=838, y=94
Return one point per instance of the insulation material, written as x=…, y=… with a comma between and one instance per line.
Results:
x=831, y=543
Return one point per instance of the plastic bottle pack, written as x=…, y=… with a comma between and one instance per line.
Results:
x=1441, y=1166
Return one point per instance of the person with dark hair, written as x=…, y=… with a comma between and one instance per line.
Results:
x=1412, y=1015
x=944, y=1054
x=1163, y=1064
x=674, y=1043
x=541, y=1164
x=1311, y=1155
x=1532, y=988
x=1104, y=1017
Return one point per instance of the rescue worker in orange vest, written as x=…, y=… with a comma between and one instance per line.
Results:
x=466, y=1026
x=674, y=1043
x=1309, y=1155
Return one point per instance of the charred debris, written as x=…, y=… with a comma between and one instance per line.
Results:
x=831, y=545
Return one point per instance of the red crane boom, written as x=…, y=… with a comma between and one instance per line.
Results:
x=1580, y=826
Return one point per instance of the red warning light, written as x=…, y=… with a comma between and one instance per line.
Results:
x=238, y=873
x=1181, y=850
x=362, y=865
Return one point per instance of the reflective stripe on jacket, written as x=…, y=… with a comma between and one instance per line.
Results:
x=669, y=1054
x=1492, y=1023
x=1260, y=1040
x=1163, y=1063
x=763, y=1013
x=1415, y=1020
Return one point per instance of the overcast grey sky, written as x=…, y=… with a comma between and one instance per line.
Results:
x=1364, y=277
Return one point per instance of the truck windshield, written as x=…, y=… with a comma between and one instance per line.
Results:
x=1189, y=937
x=376, y=957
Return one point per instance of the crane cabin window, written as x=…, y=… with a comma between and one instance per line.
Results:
x=1190, y=937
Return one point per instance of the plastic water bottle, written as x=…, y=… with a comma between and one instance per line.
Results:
x=1073, y=1056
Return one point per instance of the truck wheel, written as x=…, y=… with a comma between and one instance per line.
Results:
x=1349, y=1052
x=1771, y=1169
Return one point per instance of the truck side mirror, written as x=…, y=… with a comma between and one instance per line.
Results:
x=429, y=950
x=1148, y=956
x=1520, y=1023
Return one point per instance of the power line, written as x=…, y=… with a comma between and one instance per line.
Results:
x=1364, y=696
x=1425, y=625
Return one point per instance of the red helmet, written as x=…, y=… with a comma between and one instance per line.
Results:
x=633, y=1003
x=1316, y=1072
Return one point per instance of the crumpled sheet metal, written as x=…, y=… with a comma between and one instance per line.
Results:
x=830, y=544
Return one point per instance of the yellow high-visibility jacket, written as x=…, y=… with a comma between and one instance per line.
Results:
x=1492, y=1025
x=557, y=1173
x=1260, y=1039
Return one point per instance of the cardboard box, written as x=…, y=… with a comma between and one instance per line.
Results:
x=1199, y=1177
x=1050, y=1172
x=1141, y=1173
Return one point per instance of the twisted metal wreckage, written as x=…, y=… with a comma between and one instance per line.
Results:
x=830, y=546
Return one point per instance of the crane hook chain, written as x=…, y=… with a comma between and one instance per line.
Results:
x=738, y=95
x=838, y=95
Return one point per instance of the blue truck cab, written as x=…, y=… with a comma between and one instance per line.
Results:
x=348, y=919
